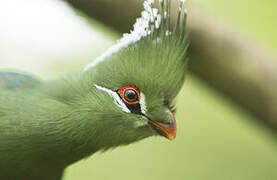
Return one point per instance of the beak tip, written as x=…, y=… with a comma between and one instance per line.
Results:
x=171, y=137
x=172, y=134
x=164, y=130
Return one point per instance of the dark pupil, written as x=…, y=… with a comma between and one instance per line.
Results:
x=130, y=95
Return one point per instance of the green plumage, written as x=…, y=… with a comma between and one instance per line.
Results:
x=46, y=126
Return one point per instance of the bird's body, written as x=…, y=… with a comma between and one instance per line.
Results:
x=43, y=132
x=31, y=133
x=46, y=126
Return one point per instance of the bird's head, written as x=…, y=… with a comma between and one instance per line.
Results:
x=137, y=80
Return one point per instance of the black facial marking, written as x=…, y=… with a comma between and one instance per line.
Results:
x=134, y=108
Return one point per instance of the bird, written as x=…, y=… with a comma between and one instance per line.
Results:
x=125, y=95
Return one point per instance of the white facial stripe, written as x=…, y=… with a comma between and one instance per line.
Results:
x=116, y=98
x=142, y=103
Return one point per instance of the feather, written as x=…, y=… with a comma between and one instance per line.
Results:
x=154, y=23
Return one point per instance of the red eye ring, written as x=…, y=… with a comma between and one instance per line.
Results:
x=135, y=97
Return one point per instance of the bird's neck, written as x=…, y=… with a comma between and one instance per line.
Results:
x=47, y=132
x=64, y=136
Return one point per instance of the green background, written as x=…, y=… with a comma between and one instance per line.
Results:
x=254, y=18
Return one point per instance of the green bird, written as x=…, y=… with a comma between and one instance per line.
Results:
x=125, y=95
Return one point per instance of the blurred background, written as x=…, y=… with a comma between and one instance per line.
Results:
x=226, y=111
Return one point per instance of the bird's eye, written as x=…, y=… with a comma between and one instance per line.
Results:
x=129, y=94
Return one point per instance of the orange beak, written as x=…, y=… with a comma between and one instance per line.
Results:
x=166, y=130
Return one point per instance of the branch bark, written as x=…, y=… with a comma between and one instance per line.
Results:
x=233, y=65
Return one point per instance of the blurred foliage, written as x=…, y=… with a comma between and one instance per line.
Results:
x=253, y=17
